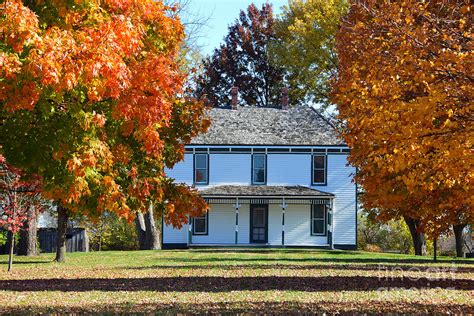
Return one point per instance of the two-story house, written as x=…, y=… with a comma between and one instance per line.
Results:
x=274, y=177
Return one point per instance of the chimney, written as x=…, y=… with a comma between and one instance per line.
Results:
x=234, y=92
x=284, y=98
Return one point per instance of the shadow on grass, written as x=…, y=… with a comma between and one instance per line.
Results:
x=255, y=307
x=355, y=267
x=15, y=262
x=271, y=250
x=317, y=259
x=220, y=284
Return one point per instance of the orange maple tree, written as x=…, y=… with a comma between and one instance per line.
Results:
x=92, y=100
x=405, y=91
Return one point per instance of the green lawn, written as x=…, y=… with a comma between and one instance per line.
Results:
x=237, y=280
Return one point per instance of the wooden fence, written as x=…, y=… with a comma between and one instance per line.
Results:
x=76, y=240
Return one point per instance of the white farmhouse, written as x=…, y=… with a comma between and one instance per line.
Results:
x=271, y=177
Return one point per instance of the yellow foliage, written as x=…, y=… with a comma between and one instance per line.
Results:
x=408, y=111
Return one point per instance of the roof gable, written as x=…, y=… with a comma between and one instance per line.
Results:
x=267, y=126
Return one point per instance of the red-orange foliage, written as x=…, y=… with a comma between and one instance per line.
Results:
x=16, y=197
x=91, y=100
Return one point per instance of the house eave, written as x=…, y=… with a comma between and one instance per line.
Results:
x=264, y=145
x=287, y=197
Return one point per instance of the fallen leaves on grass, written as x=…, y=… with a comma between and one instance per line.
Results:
x=219, y=284
x=271, y=281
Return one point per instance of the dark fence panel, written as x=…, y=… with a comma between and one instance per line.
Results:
x=76, y=240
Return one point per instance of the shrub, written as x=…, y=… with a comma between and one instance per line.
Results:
x=447, y=253
x=391, y=236
x=372, y=248
x=3, y=238
x=112, y=233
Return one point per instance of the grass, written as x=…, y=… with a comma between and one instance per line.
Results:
x=237, y=280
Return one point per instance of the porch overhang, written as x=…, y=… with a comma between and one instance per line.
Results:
x=264, y=194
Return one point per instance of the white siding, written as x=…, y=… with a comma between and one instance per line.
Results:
x=244, y=224
x=298, y=227
x=223, y=169
x=175, y=236
x=229, y=169
x=221, y=229
x=182, y=172
x=274, y=224
x=292, y=169
x=46, y=219
x=340, y=183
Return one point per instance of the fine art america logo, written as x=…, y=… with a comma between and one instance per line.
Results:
x=417, y=277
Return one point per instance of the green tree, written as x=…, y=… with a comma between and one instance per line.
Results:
x=393, y=235
x=305, y=47
x=111, y=232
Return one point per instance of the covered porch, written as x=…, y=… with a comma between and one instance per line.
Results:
x=264, y=216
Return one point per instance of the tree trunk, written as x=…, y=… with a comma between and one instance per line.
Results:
x=141, y=230
x=159, y=229
x=101, y=232
x=63, y=216
x=28, y=235
x=459, y=241
x=435, y=249
x=153, y=234
x=419, y=242
x=11, y=244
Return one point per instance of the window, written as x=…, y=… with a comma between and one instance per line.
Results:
x=201, y=168
x=318, y=219
x=319, y=169
x=259, y=166
x=200, y=225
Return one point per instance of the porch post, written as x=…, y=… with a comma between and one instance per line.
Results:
x=190, y=232
x=283, y=207
x=237, y=206
x=330, y=224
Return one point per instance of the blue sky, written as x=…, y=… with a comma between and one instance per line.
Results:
x=221, y=13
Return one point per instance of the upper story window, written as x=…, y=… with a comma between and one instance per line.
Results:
x=200, y=224
x=201, y=168
x=318, y=220
x=259, y=169
x=319, y=169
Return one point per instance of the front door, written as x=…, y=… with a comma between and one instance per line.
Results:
x=258, y=223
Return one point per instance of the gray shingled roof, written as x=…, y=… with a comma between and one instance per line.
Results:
x=261, y=190
x=267, y=126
